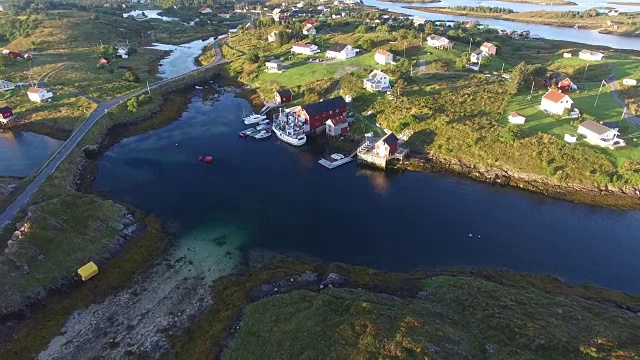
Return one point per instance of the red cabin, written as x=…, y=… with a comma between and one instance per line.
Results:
x=14, y=55
x=387, y=146
x=283, y=96
x=563, y=83
x=6, y=113
x=318, y=113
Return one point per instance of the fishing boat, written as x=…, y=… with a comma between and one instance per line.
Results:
x=247, y=132
x=253, y=118
x=290, y=128
x=264, y=122
x=262, y=134
x=199, y=87
x=262, y=127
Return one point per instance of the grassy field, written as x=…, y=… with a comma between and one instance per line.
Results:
x=462, y=318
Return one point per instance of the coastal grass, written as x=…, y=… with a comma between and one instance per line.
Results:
x=46, y=321
x=65, y=111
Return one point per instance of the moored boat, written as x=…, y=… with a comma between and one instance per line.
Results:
x=246, y=132
x=295, y=139
x=253, y=118
x=262, y=134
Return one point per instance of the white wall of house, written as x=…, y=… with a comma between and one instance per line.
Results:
x=305, y=50
x=476, y=58
x=383, y=59
x=590, y=57
x=603, y=140
x=40, y=96
x=517, y=119
x=376, y=83
x=556, y=108
x=346, y=53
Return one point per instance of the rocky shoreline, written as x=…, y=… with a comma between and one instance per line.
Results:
x=620, y=198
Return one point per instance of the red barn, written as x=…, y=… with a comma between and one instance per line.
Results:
x=6, y=113
x=283, y=96
x=14, y=55
x=563, y=83
x=317, y=114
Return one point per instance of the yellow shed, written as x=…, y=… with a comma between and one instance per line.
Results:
x=88, y=271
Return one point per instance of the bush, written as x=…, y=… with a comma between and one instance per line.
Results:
x=131, y=77
x=253, y=56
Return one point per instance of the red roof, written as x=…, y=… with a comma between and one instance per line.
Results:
x=338, y=121
x=33, y=90
x=515, y=114
x=382, y=52
x=554, y=96
x=309, y=22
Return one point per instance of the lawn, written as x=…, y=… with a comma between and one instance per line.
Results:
x=581, y=70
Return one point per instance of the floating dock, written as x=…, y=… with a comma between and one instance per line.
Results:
x=332, y=163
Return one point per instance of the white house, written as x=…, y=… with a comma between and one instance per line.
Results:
x=554, y=102
x=624, y=82
x=567, y=55
x=304, y=48
x=274, y=66
x=123, y=51
x=337, y=126
x=308, y=29
x=38, y=95
x=599, y=134
x=383, y=57
x=273, y=36
x=590, y=55
x=377, y=81
x=477, y=56
x=516, y=118
x=438, y=41
x=614, y=12
x=6, y=85
x=341, y=51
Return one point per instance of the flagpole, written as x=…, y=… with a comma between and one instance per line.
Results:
x=601, y=84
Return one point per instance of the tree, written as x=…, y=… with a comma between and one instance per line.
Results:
x=362, y=29
x=131, y=77
x=430, y=28
x=132, y=104
x=253, y=56
x=107, y=50
x=517, y=77
x=351, y=84
x=462, y=62
x=366, y=43
x=399, y=87
x=510, y=133
x=402, y=69
x=485, y=60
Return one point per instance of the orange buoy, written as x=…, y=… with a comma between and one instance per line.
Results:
x=199, y=158
x=208, y=159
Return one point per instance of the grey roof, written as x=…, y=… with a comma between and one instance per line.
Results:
x=478, y=52
x=594, y=127
x=338, y=47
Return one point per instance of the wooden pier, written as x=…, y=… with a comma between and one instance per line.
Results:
x=333, y=163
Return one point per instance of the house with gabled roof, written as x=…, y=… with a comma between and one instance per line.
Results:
x=6, y=114
x=489, y=48
x=555, y=102
x=39, y=95
x=590, y=55
x=599, y=134
x=341, y=52
x=383, y=57
x=477, y=55
x=377, y=81
x=317, y=114
x=308, y=29
x=304, y=48
x=439, y=42
x=6, y=85
x=283, y=96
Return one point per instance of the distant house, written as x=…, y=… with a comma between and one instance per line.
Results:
x=274, y=66
x=336, y=126
x=567, y=55
x=477, y=55
x=386, y=146
x=562, y=82
x=614, y=12
x=624, y=82
x=6, y=114
x=273, y=36
x=439, y=42
x=554, y=102
x=614, y=24
x=599, y=134
x=516, y=118
x=489, y=48
x=317, y=114
x=205, y=10
x=377, y=81
x=6, y=85
x=341, y=52
x=590, y=55
x=283, y=96
x=123, y=51
x=104, y=61
x=308, y=29
x=419, y=22
x=383, y=57
x=278, y=15
x=570, y=138
x=503, y=32
x=38, y=95
x=304, y=48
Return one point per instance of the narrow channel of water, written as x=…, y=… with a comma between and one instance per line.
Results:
x=285, y=201
x=182, y=57
x=21, y=153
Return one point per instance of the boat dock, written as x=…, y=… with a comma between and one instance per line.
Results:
x=332, y=162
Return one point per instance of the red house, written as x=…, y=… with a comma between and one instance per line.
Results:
x=283, y=96
x=309, y=22
x=6, y=113
x=104, y=61
x=563, y=83
x=317, y=114
x=14, y=55
x=387, y=146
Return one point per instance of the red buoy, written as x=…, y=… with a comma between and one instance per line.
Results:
x=199, y=158
x=208, y=159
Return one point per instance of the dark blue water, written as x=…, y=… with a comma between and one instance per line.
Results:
x=287, y=201
x=21, y=153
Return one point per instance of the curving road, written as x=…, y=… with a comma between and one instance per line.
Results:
x=103, y=107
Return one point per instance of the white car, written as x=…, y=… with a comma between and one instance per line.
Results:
x=506, y=76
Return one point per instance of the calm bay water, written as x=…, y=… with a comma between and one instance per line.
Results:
x=285, y=201
x=22, y=152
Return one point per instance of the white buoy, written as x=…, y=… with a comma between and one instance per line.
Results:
x=470, y=235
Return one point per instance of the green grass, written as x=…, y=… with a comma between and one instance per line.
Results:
x=458, y=318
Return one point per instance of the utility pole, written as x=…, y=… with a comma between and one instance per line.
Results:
x=601, y=84
x=531, y=93
x=405, y=50
x=585, y=72
x=148, y=89
x=502, y=68
x=469, y=46
x=624, y=110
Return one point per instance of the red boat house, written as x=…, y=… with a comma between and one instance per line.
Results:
x=317, y=114
x=6, y=113
x=283, y=96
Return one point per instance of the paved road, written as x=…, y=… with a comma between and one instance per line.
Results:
x=52, y=164
x=633, y=120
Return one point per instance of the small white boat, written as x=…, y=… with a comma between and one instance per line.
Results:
x=337, y=156
x=253, y=118
x=263, y=127
x=264, y=122
x=262, y=134
x=247, y=132
x=199, y=87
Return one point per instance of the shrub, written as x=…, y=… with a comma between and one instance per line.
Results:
x=131, y=77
